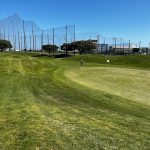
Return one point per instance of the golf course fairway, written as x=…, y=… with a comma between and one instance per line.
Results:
x=55, y=104
x=133, y=84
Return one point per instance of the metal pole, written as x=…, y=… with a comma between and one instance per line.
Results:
x=42, y=41
x=19, y=40
x=74, y=33
x=13, y=39
x=0, y=34
x=53, y=39
x=115, y=42
x=149, y=48
x=129, y=45
x=35, y=42
x=30, y=42
x=113, y=45
x=4, y=32
x=97, y=42
x=66, y=39
x=123, y=48
x=139, y=44
x=24, y=37
x=8, y=34
x=120, y=43
x=32, y=37
x=15, y=43
x=21, y=43
x=66, y=34
x=48, y=38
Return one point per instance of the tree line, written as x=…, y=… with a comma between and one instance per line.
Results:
x=83, y=47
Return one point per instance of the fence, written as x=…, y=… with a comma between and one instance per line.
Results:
x=26, y=35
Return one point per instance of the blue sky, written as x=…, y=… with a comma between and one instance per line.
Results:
x=112, y=18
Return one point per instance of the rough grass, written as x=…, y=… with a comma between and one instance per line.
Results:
x=40, y=108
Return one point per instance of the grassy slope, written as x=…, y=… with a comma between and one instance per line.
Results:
x=41, y=109
x=131, y=60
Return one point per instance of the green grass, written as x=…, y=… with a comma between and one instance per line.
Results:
x=133, y=84
x=130, y=60
x=44, y=105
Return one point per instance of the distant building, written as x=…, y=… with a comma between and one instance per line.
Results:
x=122, y=49
x=102, y=48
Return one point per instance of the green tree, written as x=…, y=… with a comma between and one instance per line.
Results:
x=68, y=47
x=4, y=44
x=84, y=47
x=50, y=48
x=65, y=47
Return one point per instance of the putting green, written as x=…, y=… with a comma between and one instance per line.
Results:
x=133, y=84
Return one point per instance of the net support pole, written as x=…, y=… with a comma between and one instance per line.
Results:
x=53, y=39
x=24, y=37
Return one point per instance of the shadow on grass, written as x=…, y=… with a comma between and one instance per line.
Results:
x=51, y=56
x=62, y=56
